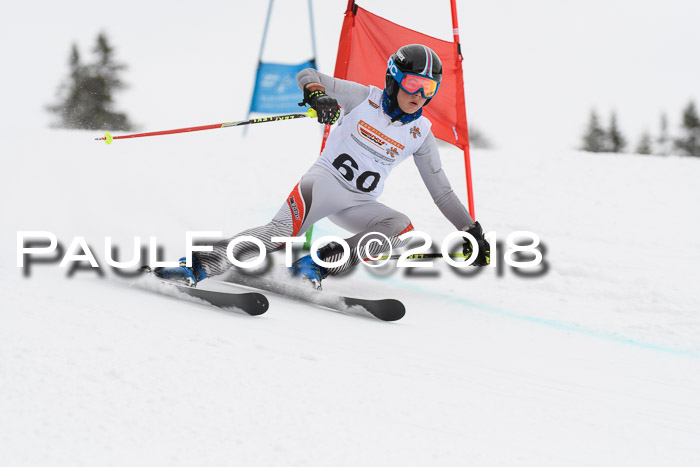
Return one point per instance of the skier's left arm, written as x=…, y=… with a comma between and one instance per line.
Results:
x=427, y=159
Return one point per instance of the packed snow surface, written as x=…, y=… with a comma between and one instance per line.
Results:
x=594, y=362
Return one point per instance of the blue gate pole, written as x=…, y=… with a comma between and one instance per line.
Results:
x=262, y=48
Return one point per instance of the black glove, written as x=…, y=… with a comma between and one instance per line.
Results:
x=327, y=108
x=484, y=256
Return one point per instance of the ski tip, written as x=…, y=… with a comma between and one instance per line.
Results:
x=253, y=303
x=261, y=304
x=397, y=311
x=388, y=309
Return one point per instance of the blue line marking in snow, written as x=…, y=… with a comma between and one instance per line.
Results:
x=547, y=322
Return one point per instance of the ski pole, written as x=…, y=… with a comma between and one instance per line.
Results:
x=419, y=256
x=108, y=138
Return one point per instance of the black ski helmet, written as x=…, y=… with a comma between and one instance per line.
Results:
x=413, y=58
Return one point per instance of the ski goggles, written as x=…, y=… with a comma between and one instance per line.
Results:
x=412, y=83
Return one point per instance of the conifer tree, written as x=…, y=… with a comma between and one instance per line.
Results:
x=477, y=139
x=616, y=142
x=86, y=97
x=594, y=137
x=663, y=142
x=688, y=143
x=644, y=145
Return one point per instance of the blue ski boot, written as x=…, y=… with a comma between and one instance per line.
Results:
x=306, y=268
x=189, y=276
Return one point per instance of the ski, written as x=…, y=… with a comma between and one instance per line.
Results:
x=388, y=309
x=383, y=309
x=253, y=303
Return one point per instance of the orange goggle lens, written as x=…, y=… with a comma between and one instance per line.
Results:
x=414, y=83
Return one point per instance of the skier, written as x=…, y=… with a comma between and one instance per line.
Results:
x=376, y=131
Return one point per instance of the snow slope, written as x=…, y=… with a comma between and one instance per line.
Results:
x=593, y=363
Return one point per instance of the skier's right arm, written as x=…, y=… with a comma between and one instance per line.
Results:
x=347, y=93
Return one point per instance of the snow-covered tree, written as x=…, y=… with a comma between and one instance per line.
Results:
x=663, y=142
x=477, y=138
x=688, y=142
x=616, y=142
x=86, y=96
x=644, y=145
x=594, y=139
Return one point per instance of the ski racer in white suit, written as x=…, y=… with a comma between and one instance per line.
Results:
x=376, y=131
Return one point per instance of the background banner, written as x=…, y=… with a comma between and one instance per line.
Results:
x=276, y=89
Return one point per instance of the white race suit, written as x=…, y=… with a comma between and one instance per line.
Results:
x=349, y=176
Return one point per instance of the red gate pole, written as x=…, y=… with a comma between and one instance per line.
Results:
x=467, y=157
